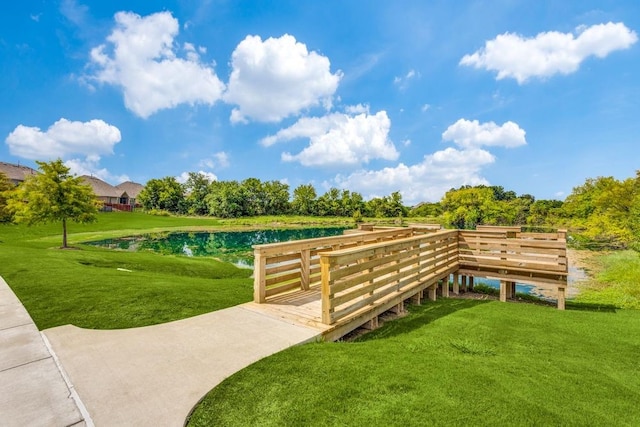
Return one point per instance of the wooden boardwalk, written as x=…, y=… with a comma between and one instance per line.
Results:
x=340, y=283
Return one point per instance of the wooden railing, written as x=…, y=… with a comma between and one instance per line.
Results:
x=368, y=271
x=362, y=278
x=535, y=258
x=282, y=267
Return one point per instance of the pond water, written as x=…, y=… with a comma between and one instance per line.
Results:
x=230, y=246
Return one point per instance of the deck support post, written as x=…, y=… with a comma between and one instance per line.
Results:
x=456, y=286
x=416, y=299
x=371, y=324
x=398, y=308
x=513, y=289
x=445, y=287
x=503, y=291
x=325, y=290
x=463, y=284
x=470, y=283
x=561, y=291
x=432, y=291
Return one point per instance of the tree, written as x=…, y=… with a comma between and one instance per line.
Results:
x=5, y=187
x=197, y=189
x=304, y=200
x=226, y=199
x=165, y=194
x=54, y=195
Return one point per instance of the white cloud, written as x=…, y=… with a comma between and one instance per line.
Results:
x=90, y=166
x=220, y=160
x=339, y=139
x=549, y=53
x=63, y=138
x=467, y=134
x=277, y=78
x=425, y=107
x=140, y=57
x=425, y=181
x=357, y=109
x=184, y=176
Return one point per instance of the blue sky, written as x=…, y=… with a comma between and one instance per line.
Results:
x=373, y=96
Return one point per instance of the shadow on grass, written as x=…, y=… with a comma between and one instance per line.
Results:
x=588, y=306
x=420, y=315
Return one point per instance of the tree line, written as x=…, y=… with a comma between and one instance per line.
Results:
x=253, y=197
x=604, y=212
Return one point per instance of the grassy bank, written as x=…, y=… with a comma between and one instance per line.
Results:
x=615, y=281
x=89, y=287
x=452, y=362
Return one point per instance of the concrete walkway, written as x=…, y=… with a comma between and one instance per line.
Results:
x=33, y=391
x=153, y=376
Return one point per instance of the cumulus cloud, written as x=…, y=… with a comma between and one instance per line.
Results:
x=339, y=139
x=90, y=166
x=425, y=181
x=63, y=138
x=140, y=57
x=277, y=78
x=468, y=133
x=184, y=176
x=549, y=53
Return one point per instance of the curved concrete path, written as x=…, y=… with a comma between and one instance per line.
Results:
x=33, y=391
x=153, y=376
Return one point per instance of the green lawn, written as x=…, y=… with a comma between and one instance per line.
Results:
x=616, y=281
x=84, y=286
x=452, y=362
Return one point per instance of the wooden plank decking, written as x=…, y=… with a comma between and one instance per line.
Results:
x=339, y=284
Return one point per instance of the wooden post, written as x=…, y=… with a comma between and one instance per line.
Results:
x=432, y=291
x=398, y=308
x=463, y=279
x=445, y=287
x=503, y=291
x=416, y=299
x=305, y=267
x=561, y=298
x=371, y=324
x=513, y=289
x=470, y=283
x=259, y=279
x=325, y=290
x=456, y=286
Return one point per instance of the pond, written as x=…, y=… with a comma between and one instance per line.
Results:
x=230, y=246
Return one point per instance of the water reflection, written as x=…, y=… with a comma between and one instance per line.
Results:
x=230, y=246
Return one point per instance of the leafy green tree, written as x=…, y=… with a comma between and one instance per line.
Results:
x=276, y=198
x=426, y=210
x=197, y=189
x=6, y=187
x=329, y=203
x=304, y=200
x=164, y=194
x=226, y=199
x=54, y=195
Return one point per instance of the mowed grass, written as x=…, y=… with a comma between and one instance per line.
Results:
x=84, y=286
x=450, y=362
x=616, y=280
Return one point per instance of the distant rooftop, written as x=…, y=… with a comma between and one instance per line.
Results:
x=16, y=173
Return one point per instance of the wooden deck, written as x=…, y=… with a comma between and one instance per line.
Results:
x=339, y=284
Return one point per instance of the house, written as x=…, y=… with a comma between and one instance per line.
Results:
x=130, y=191
x=122, y=197
x=16, y=173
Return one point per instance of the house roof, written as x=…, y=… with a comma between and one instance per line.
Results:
x=131, y=188
x=16, y=172
x=101, y=188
